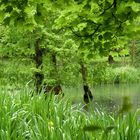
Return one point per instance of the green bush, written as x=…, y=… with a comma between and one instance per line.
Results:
x=126, y=75
x=106, y=74
x=103, y=74
x=15, y=71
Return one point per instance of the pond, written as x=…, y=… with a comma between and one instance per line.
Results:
x=105, y=96
x=108, y=96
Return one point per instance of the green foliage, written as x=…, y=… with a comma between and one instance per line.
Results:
x=126, y=75
x=124, y=128
x=74, y=30
x=87, y=28
x=137, y=63
x=105, y=74
x=26, y=117
x=98, y=22
x=19, y=73
x=30, y=15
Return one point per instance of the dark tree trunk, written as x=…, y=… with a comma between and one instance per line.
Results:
x=56, y=90
x=53, y=59
x=53, y=55
x=110, y=59
x=39, y=76
x=87, y=92
x=83, y=72
x=54, y=72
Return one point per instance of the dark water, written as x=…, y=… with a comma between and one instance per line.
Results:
x=108, y=96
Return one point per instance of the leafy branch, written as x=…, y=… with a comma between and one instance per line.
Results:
x=88, y=35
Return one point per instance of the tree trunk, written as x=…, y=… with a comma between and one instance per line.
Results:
x=39, y=76
x=110, y=59
x=53, y=55
x=87, y=92
x=53, y=72
x=83, y=72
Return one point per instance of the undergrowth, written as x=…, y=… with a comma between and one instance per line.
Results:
x=23, y=116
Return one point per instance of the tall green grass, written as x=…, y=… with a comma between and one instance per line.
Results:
x=126, y=74
x=106, y=74
x=23, y=116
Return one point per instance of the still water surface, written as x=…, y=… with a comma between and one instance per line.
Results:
x=108, y=96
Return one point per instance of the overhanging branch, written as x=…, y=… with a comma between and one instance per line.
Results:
x=88, y=35
x=113, y=4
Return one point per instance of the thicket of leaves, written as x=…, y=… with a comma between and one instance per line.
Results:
x=74, y=30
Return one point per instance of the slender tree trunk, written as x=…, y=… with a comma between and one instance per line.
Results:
x=87, y=92
x=53, y=55
x=39, y=76
x=83, y=72
x=53, y=72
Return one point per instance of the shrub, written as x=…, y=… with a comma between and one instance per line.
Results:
x=103, y=74
x=126, y=75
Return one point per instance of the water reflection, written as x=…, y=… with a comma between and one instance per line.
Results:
x=113, y=94
x=109, y=96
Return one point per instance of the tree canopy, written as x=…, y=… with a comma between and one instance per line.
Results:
x=73, y=29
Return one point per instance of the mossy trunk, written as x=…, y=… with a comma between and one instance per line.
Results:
x=39, y=76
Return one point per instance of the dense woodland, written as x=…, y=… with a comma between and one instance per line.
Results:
x=49, y=45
